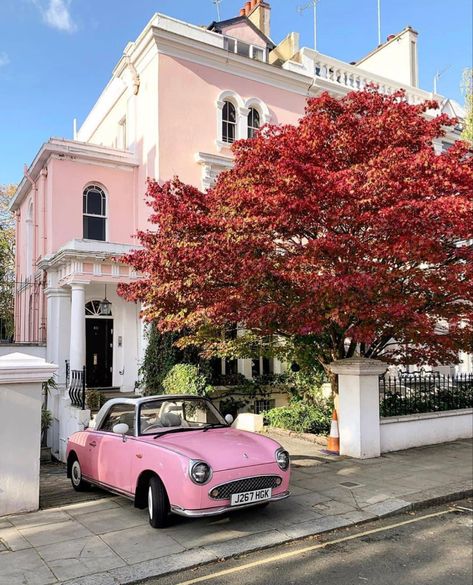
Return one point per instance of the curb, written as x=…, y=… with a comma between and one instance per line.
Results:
x=200, y=557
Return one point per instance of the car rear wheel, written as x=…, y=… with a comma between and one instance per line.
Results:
x=158, y=503
x=76, y=477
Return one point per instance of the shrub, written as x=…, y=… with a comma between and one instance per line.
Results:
x=161, y=355
x=301, y=417
x=186, y=379
x=95, y=399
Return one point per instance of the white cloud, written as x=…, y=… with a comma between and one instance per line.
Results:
x=4, y=59
x=56, y=14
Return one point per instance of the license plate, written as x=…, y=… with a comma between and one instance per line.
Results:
x=250, y=497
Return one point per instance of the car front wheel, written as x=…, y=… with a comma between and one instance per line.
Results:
x=76, y=477
x=158, y=503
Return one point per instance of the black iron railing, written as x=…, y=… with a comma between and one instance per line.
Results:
x=76, y=387
x=416, y=393
x=68, y=373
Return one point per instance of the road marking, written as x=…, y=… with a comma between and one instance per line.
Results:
x=299, y=551
x=463, y=508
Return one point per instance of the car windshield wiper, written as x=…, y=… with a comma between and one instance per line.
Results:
x=179, y=430
x=215, y=426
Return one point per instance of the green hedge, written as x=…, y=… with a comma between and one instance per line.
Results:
x=301, y=417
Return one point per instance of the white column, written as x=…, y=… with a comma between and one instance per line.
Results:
x=59, y=326
x=77, y=342
x=358, y=406
x=21, y=377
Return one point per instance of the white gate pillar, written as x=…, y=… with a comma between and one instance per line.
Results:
x=21, y=378
x=358, y=406
x=77, y=343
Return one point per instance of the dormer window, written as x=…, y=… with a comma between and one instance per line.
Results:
x=244, y=49
x=254, y=122
x=229, y=122
x=94, y=213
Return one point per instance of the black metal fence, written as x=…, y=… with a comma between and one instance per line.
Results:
x=416, y=393
x=75, y=380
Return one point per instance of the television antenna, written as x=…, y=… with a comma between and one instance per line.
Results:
x=379, y=22
x=312, y=4
x=438, y=75
x=217, y=6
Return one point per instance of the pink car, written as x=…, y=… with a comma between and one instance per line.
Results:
x=177, y=454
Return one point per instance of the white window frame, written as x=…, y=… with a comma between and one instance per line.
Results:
x=254, y=48
x=241, y=118
x=105, y=217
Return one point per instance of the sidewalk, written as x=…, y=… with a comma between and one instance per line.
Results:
x=108, y=542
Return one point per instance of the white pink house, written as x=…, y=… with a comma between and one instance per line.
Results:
x=178, y=97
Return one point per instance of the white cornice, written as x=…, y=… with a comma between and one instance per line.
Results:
x=171, y=44
x=20, y=368
x=85, y=250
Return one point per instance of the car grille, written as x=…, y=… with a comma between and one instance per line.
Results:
x=248, y=484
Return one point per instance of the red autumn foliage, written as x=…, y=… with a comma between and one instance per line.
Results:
x=348, y=225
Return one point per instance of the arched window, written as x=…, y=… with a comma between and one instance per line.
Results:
x=95, y=213
x=254, y=122
x=228, y=122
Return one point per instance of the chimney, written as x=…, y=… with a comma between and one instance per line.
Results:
x=247, y=8
x=260, y=15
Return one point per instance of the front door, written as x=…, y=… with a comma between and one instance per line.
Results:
x=99, y=352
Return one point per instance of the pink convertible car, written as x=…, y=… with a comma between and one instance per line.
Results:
x=177, y=454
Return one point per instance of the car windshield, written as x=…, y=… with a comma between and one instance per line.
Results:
x=163, y=414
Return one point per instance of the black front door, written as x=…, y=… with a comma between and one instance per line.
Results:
x=99, y=352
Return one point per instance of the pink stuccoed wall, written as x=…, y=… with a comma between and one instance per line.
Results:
x=57, y=207
x=188, y=126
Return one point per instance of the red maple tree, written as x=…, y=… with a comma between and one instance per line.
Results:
x=345, y=232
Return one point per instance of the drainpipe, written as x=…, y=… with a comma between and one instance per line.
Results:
x=44, y=175
x=35, y=201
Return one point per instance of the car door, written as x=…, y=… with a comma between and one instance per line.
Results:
x=89, y=456
x=115, y=451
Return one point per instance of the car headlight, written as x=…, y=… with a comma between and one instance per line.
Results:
x=200, y=472
x=282, y=458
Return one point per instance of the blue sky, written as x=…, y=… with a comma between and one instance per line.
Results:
x=57, y=55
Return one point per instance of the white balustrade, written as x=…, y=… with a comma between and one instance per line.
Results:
x=352, y=77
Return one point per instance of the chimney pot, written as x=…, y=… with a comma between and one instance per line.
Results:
x=247, y=8
x=253, y=3
x=242, y=12
x=390, y=37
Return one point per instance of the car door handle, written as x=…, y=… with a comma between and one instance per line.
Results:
x=93, y=444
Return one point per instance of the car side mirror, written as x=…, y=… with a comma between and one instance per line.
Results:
x=228, y=419
x=121, y=429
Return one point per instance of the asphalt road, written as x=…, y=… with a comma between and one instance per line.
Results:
x=430, y=547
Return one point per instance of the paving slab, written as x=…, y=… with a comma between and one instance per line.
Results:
x=87, y=507
x=12, y=539
x=51, y=533
x=139, y=544
x=39, y=518
x=113, y=519
x=79, y=557
x=24, y=567
x=192, y=533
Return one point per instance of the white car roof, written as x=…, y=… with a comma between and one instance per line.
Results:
x=137, y=401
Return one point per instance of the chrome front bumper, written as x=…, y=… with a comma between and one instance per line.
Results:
x=222, y=509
